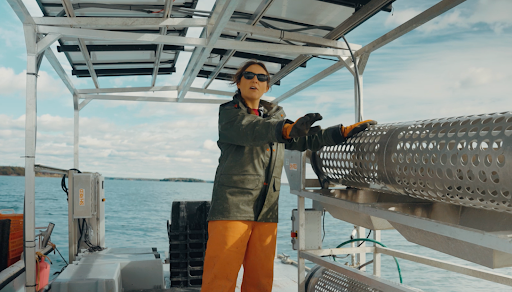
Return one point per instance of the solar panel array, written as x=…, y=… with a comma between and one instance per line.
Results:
x=122, y=58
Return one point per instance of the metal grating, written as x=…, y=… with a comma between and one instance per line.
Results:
x=461, y=160
x=335, y=282
x=322, y=279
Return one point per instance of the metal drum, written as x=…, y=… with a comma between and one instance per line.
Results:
x=462, y=160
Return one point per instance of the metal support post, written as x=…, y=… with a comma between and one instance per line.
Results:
x=76, y=137
x=376, y=255
x=361, y=257
x=358, y=96
x=301, y=210
x=71, y=223
x=33, y=63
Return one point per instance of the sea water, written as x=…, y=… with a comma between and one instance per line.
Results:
x=137, y=214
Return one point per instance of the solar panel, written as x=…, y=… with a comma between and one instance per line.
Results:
x=127, y=58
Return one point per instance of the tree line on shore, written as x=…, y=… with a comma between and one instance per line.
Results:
x=20, y=171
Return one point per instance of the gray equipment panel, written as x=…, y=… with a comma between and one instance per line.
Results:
x=313, y=229
x=83, y=192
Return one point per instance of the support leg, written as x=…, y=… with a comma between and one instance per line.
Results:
x=358, y=97
x=361, y=257
x=301, y=210
x=76, y=135
x=376, y=255
x=30, y=152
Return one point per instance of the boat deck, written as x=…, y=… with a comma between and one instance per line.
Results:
x=285, y=280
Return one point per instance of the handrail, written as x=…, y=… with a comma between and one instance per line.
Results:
x=40, y=167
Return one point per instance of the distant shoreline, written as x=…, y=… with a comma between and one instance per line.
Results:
x=20, y=171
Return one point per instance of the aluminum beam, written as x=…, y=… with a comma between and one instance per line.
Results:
x=220, y=17
x=46, y=42
x=469, y=271
x=153, y=89
x=76, y=135
x=121, y=23
x=262, y=8
x=30, y=153
x=333, y=68
x=152, y=98
x=350, y=23
x=470, y=235
x=344, y=250
x=50, y=56
x=21, y=11
x=377, y=258
x=364, y=52
x=68, y=7
x=127, y=89
x=301, y=264
x=188, y=41
x=413, y=23
x=163, y=31
x=83, y=104
x=289, y=36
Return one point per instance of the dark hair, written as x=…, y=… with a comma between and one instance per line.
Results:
x=238, y=75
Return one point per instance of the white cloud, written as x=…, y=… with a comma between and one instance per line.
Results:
x=210, y=145
x=144, y=150
x=47, y=86
x=189, y=153
x=477, y=76
x=495, y=14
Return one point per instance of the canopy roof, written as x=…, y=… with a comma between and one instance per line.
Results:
x=109, y=57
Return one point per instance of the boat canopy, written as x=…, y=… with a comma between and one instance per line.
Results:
x=146, y=37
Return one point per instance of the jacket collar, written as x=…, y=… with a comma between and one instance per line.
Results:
x=266, y=107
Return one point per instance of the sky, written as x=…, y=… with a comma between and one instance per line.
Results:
x=457, y=64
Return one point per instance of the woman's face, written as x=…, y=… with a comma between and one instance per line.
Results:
x=253, y=90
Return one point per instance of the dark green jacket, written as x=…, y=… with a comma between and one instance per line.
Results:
x=248, y=177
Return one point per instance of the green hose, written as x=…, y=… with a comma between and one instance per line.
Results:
x=374, y=241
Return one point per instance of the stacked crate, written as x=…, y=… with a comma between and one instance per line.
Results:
x=188, y=234
x=15, y=235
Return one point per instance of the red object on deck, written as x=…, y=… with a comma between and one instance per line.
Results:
x=15, y=235
x=43, y=274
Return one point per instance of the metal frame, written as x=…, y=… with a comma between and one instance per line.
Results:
x=163, y=31
x=220, y=17
x=41, y=32
x=390, y=211
x=262, y=8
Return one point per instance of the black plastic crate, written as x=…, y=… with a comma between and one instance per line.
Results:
x=188, y=234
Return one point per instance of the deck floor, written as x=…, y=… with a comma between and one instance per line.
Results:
x=285, y=280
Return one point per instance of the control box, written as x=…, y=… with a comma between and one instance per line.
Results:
x=313, y=229
x=83, y=191
x=86, y=212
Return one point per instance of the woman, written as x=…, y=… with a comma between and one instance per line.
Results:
x=253, y=135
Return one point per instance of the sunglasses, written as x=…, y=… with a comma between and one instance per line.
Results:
x=250, y=75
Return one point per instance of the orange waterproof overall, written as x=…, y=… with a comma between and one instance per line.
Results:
x=232, y=243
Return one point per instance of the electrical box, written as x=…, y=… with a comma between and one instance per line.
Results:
x=84, y=190
x=313, y=229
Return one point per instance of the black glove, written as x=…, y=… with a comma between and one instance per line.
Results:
x=302, y=127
